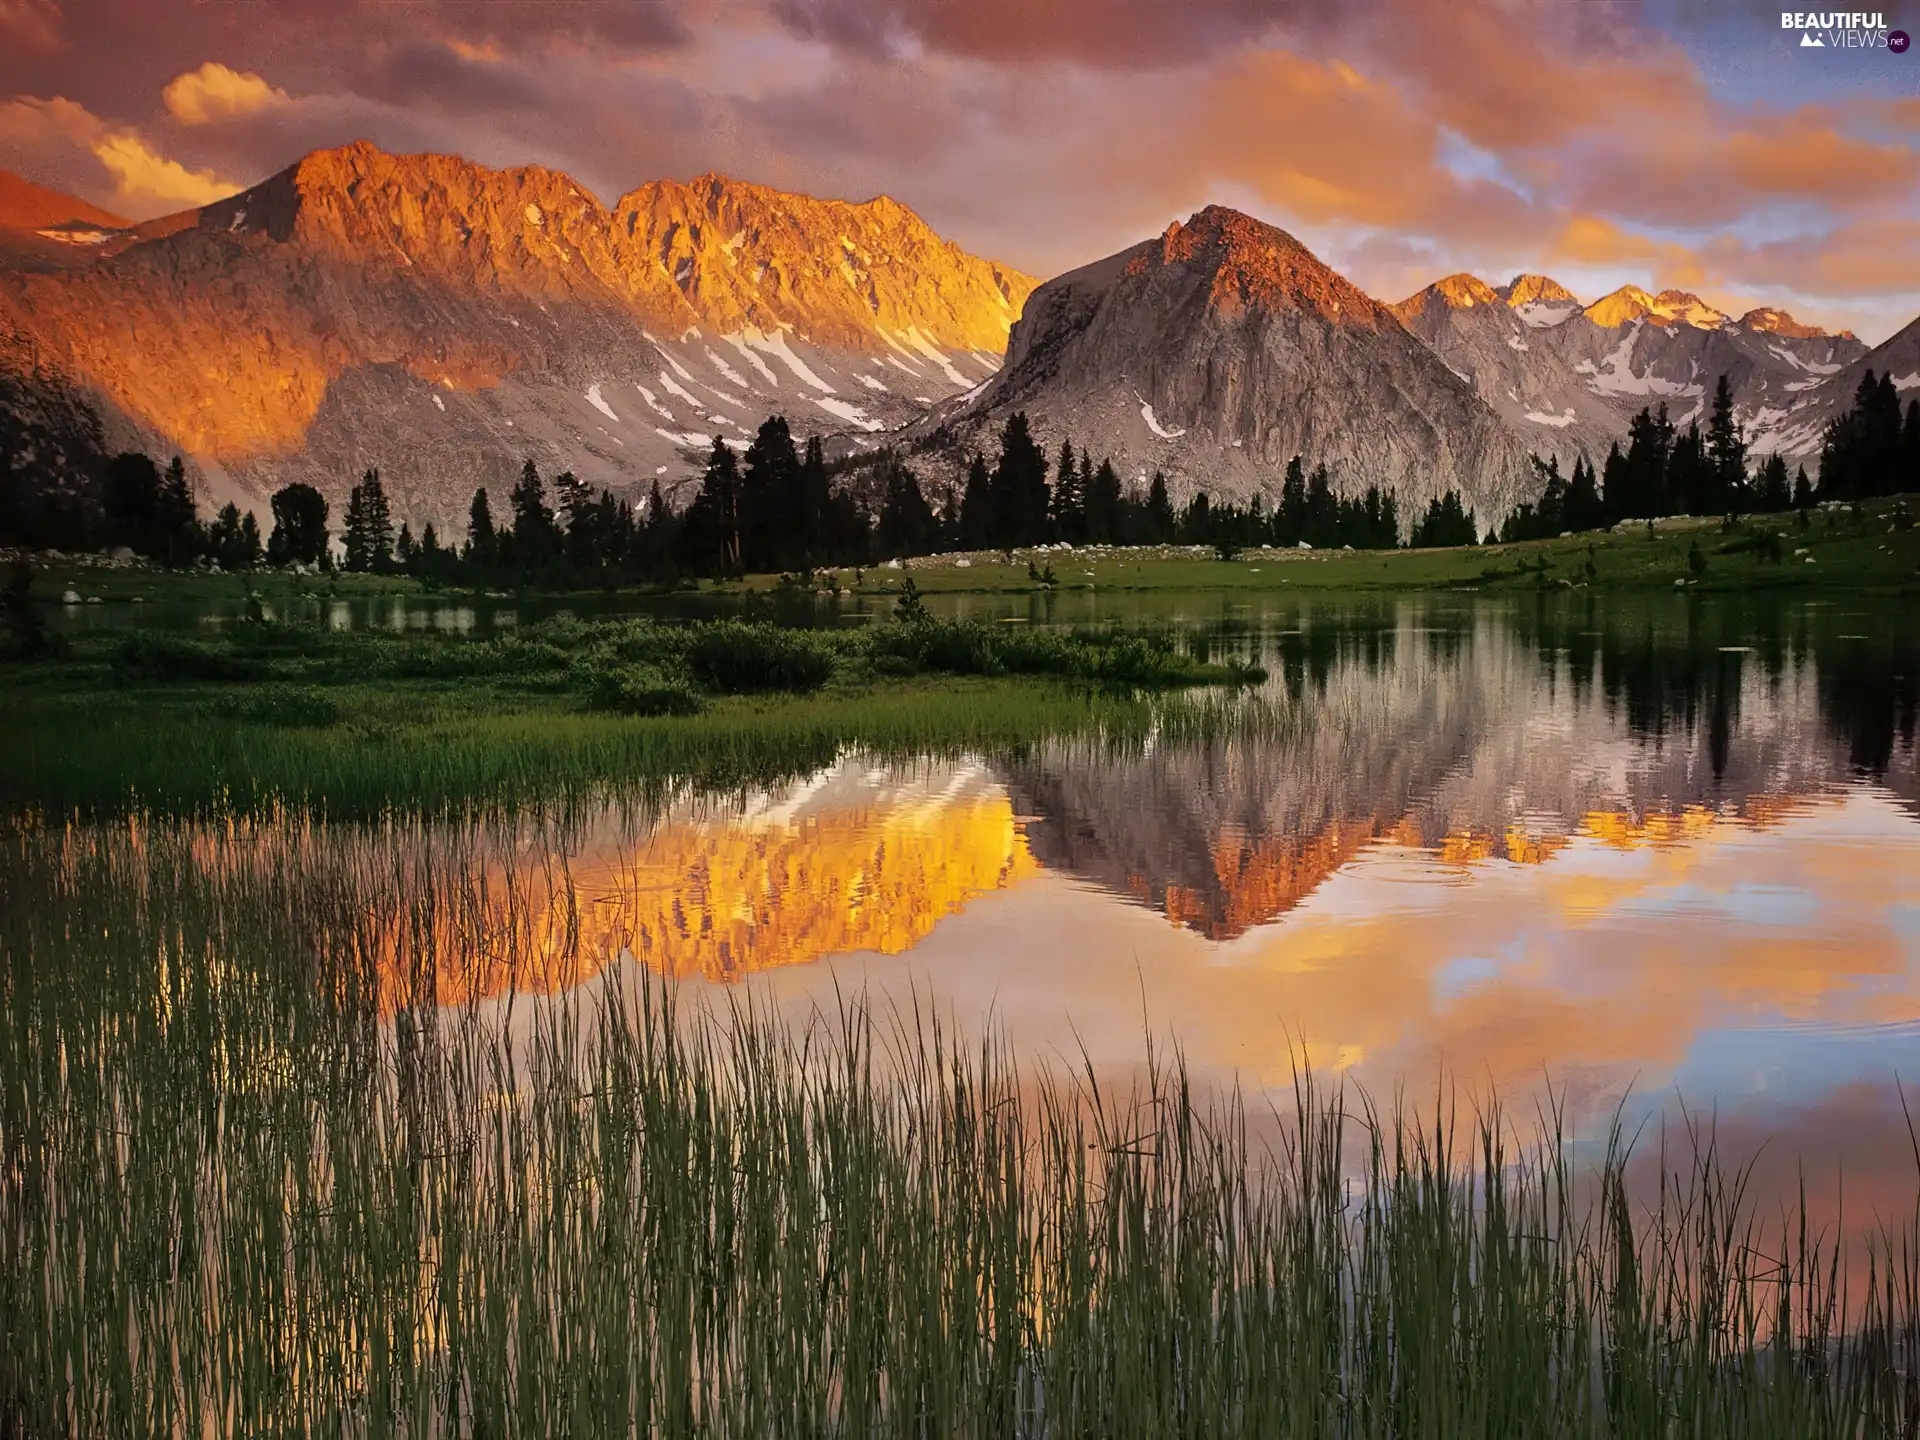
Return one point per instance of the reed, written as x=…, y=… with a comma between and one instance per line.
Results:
x=257, y=1180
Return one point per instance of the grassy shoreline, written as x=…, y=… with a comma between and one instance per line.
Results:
x=267, y=715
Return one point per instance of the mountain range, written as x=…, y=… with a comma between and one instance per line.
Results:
x=443, y=322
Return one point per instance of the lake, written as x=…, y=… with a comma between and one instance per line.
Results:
x=1642, y=853
x=1646, y=862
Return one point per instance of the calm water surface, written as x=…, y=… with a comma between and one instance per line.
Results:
x=1647, y=855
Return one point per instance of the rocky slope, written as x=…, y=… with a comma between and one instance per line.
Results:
x=1221, y=349
x=1568, y=378
x=443, y=321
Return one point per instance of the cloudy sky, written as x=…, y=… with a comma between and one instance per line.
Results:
x=1688, y=143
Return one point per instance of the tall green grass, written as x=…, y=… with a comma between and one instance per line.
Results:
x=254, y=1183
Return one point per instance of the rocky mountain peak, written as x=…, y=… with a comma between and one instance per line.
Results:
x=1683, y=307
x=1624, y=305
x=1770, y=321
x=1254, y=265
x=1464, y=291
x=1535, y=290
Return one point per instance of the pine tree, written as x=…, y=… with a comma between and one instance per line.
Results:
x=709, y=535
x=1802, y=490
x=1068, y=502
x=1861, y=452
x=250, y=549
x=177, y=526
x=130, y=497
x=483, y=546
x=976, y=507
x=1584, y=509
x=1776, y=491
x=1019, y=489
x=536, y=536
x=1910, y=449
x=816, y=535
x=299, y=527
x=1644, y=491
x=1445, y=524
x=233, y=539
x=369, y=526
x=1550, y=514
x=1727, y=451
x=1290, y=520
x=1105, y=505
x=1692, y=485
x=654, y=544
x=1321, y=521
x=771, y=533
x=1159, y=512
x=1615, y=486
x=907, y=526
x=404, y=549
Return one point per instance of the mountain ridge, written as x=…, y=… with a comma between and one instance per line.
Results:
x=288, y=331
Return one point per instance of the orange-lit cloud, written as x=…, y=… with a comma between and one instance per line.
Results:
x=482, y=54
x=142, y=179
x=214, y=92
x=1596, y=240
x=1330, y=144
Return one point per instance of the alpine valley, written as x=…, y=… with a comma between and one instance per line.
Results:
x=444, y=322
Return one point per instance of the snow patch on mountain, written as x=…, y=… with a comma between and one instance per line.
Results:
x=597, y=400
x=739, y=342
x=1153, y=423
x=852, y=414
x=914, y=337
x=1542, y=315
x=674, y=387
x=774, y=343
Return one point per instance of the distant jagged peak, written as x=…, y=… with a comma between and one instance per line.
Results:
x=1253, y=264
x=1669, y=307
x=1674, y=307
x=1535, y=290
x=1770, y=321
x=1455, y=292
x=1624, y=305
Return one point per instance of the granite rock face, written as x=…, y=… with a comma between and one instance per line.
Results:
x=443, y=322
x=1220, y=350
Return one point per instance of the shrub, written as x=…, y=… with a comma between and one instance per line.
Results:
x=735, y=658
x=958, y=647
x=157, y=655
x=638, y=690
